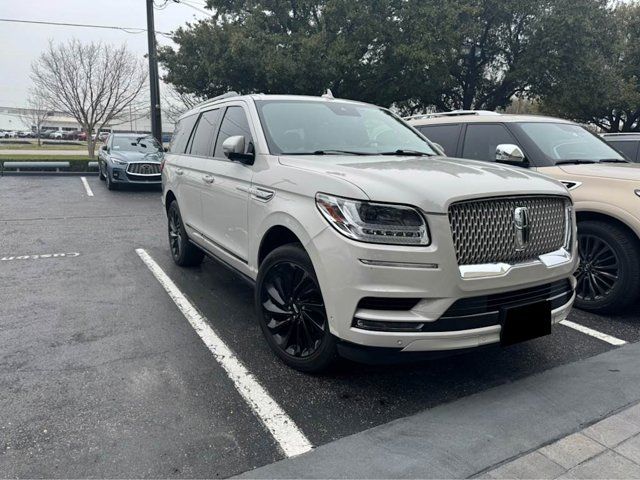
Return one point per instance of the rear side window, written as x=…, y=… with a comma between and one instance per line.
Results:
x=444, y=135
x=234, y=123
x=481, y=140
x=182, y=133
x=202, y=144
x=629, y=148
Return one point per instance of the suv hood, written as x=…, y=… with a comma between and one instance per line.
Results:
x=431, y=183
x=619, y=171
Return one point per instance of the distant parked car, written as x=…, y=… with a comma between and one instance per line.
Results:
x=9, y=134
x=82, y=136
x=25, y=134
x=70, y=135
x=130, y=158
x=57, y=135
x=626, y=143
x=166, y=137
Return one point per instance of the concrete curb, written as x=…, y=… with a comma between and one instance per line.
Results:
x=471, y=435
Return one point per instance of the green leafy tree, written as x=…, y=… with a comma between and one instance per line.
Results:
x=595, y=76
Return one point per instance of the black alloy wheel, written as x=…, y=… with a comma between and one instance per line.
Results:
x=599, y=268
x=292, y=312
x=608, y=277
x=175, y=233
x=100, y=172
x=183, y=252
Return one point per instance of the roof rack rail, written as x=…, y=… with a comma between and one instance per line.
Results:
x=453, y=113
x=220, y=97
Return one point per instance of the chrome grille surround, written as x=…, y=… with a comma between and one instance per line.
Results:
x=484, y=230
x=143, y=168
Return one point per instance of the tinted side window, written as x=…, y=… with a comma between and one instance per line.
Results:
x=445, y=135
x=629, y=148
x=182, y=133
x=481, y=140
x=202, y=144
x=234, y=123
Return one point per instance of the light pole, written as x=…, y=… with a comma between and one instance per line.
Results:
x=154, y=84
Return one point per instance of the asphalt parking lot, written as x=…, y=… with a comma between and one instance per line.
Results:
x=101, y=374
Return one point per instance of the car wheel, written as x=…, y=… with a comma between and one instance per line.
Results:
x=110, y=185
x=291, y=310
x=609, y=272
x=100, y=173
x=183, y=252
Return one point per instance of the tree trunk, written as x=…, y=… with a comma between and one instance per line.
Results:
x=91, y=145
x=38, y=137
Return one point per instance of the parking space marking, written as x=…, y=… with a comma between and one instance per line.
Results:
x=86, y=186
x=9, y=258
x=594, y=333
x=286, y=433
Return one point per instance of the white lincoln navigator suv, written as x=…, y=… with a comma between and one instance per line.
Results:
x=360, y=239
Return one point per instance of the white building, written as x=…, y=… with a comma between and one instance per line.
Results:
x=16, y=119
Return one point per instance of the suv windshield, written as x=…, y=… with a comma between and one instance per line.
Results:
x=298, y=127
x=143, y=144
x=565, y=143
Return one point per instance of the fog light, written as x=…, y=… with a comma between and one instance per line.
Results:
x=116, y=174
x=388, y=326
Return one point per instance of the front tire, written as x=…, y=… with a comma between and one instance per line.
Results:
x=109, y=183
x=291, y=310
x=100, y=173
x=183, y=252
x=609, y=272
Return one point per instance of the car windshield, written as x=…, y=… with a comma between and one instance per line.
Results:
x=143, y=144
x=568, y=143
x=299, y=127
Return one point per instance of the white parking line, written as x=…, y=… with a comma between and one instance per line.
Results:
x=284, y=430
x=86, y=186
x=594, y=333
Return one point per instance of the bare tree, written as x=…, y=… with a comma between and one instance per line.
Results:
x=176, y=103
x=36, y=113
x=93, y=82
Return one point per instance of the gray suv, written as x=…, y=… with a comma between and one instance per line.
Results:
x=130, y=158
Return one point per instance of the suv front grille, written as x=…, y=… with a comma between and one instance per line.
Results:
x=144, y=168
x=484, y=231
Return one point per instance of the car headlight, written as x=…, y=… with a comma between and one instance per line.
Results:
x=374, y=222
x=118, y=162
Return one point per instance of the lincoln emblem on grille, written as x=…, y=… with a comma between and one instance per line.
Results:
x=523, y=229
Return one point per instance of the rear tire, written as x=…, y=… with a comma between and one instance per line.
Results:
x=609, y=272
x=183, y=252
x=291, y=310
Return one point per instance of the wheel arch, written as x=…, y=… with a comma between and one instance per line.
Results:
x=589, y=215
x=276, y=236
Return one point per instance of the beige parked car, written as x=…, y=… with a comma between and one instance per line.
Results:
x=605, y=189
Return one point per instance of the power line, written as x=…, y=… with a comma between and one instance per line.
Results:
x=132, y=30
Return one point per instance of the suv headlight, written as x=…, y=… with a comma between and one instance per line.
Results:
x=374, y=222
x=118, y=161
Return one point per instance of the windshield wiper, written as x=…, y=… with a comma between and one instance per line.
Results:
x=327, y=152
x=408, y=153
x=613, y=160
x=575, y=162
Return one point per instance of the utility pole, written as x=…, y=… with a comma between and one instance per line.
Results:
x=154, y=84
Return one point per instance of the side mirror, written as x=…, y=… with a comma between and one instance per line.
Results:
x=234, y=149
x=509, y=153
x=166, y=149
x=103, y=147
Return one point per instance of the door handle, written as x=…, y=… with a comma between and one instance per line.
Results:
x=208, y=178
x=179, y=171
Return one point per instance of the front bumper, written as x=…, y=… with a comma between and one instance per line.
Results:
x=350, y=271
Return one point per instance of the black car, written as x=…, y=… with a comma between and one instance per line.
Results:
x=627, y=144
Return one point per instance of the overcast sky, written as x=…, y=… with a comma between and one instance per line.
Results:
x=20, y=44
